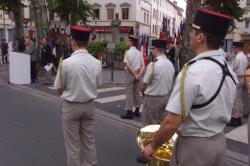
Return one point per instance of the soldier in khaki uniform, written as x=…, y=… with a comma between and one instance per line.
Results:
x=134, y=62
x=156, y=86
x=202, y=100
x=240, y=64
x=76, y=81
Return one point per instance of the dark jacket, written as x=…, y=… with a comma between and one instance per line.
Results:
x=171, y=55
x=4, y=48
x=46, y=55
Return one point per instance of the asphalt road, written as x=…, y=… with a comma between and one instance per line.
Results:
x=31, y=133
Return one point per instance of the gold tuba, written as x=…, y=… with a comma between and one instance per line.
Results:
x=164, y=153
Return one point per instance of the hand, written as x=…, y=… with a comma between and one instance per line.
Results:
x=137, y=77
x=148, y=152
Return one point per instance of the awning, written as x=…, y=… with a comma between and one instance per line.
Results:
x=107, y=29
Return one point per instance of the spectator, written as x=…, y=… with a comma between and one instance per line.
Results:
x=46, y=59
x=31, y=50
x=4, y=48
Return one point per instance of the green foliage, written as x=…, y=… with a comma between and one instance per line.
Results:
x=64, y=8
x=96, y=47
x=120, y=48
x=10, y=5
x=231, y=8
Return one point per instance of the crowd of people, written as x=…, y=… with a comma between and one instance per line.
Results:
x=205, y=96
x=196, y=100
x=41, y=53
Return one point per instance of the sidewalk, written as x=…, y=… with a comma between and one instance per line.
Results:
x=236, y=152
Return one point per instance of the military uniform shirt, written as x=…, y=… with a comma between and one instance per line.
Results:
x=134, y=57
x=241, y=63
x=162, y=77
x=202, y=80
x=81, y=74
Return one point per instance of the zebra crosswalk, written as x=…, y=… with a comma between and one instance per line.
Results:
x=107, y=99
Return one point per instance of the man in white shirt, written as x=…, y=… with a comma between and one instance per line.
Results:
x=134, y=62
x=240, y=64
x=77, y=80
x=157, y=84
x=222, y=52
x=201, y=102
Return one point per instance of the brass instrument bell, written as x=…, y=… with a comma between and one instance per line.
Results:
x=164, y=153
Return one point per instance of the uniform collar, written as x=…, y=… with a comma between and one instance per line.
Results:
x=241, y=52
x=207, y=54
x=79, y=51
x=162, y=56
x=132, y=47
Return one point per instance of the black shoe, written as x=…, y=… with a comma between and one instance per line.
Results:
x=142, y=160
x=136, y=114
x=239, y=121
x=246, y=115
x=233, y=122
x=128, y=115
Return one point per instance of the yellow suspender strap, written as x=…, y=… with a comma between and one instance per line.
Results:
x=182, y=98
x=152, y=74
x=60, y=72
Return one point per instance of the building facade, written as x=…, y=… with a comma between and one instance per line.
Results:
x=140, y=17
x=242, y=30
x=7, y=23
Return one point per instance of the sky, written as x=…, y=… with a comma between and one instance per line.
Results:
x=182, y=4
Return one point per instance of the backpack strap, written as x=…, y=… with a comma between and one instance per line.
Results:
x=226, y=73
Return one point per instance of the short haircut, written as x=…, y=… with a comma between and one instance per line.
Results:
x=213, y=41
x=161, y=50
x=81, y=43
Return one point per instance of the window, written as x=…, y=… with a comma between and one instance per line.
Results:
x=1, y=34
x=30, y=13
x=110, y=13
x=96, y=14
x=125, y=13
x=51, y=16
x=248, y=3
x=145, y=15
x=147, y=18
x=10, y=34
x=246, y=24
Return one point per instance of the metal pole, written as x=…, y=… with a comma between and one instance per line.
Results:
x=4, y=26
x=112, y=66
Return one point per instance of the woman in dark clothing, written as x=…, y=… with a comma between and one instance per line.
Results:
x=4, y=49
x=21, y=45
x=46, y=58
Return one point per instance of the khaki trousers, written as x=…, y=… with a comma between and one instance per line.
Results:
x=237, y=107
x=78, y=129
x=194, y=151
x=133, y=97
x=154, y=109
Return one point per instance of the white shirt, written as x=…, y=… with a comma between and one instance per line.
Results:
x=162, y=78
x=240, y=64
x=134, y=57
x=202, y=80
x=223, y=53
x=81, y=73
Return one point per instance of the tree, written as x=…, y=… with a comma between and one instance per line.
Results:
x=16, y=7
x=231, y=8
x=191, y=9
x=71, y=11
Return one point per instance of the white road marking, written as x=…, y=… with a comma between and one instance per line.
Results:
x=239, y=134
x=110, y=89
x=52, y=87
x=110, y=99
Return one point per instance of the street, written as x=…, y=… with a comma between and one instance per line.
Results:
x=32, y=134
